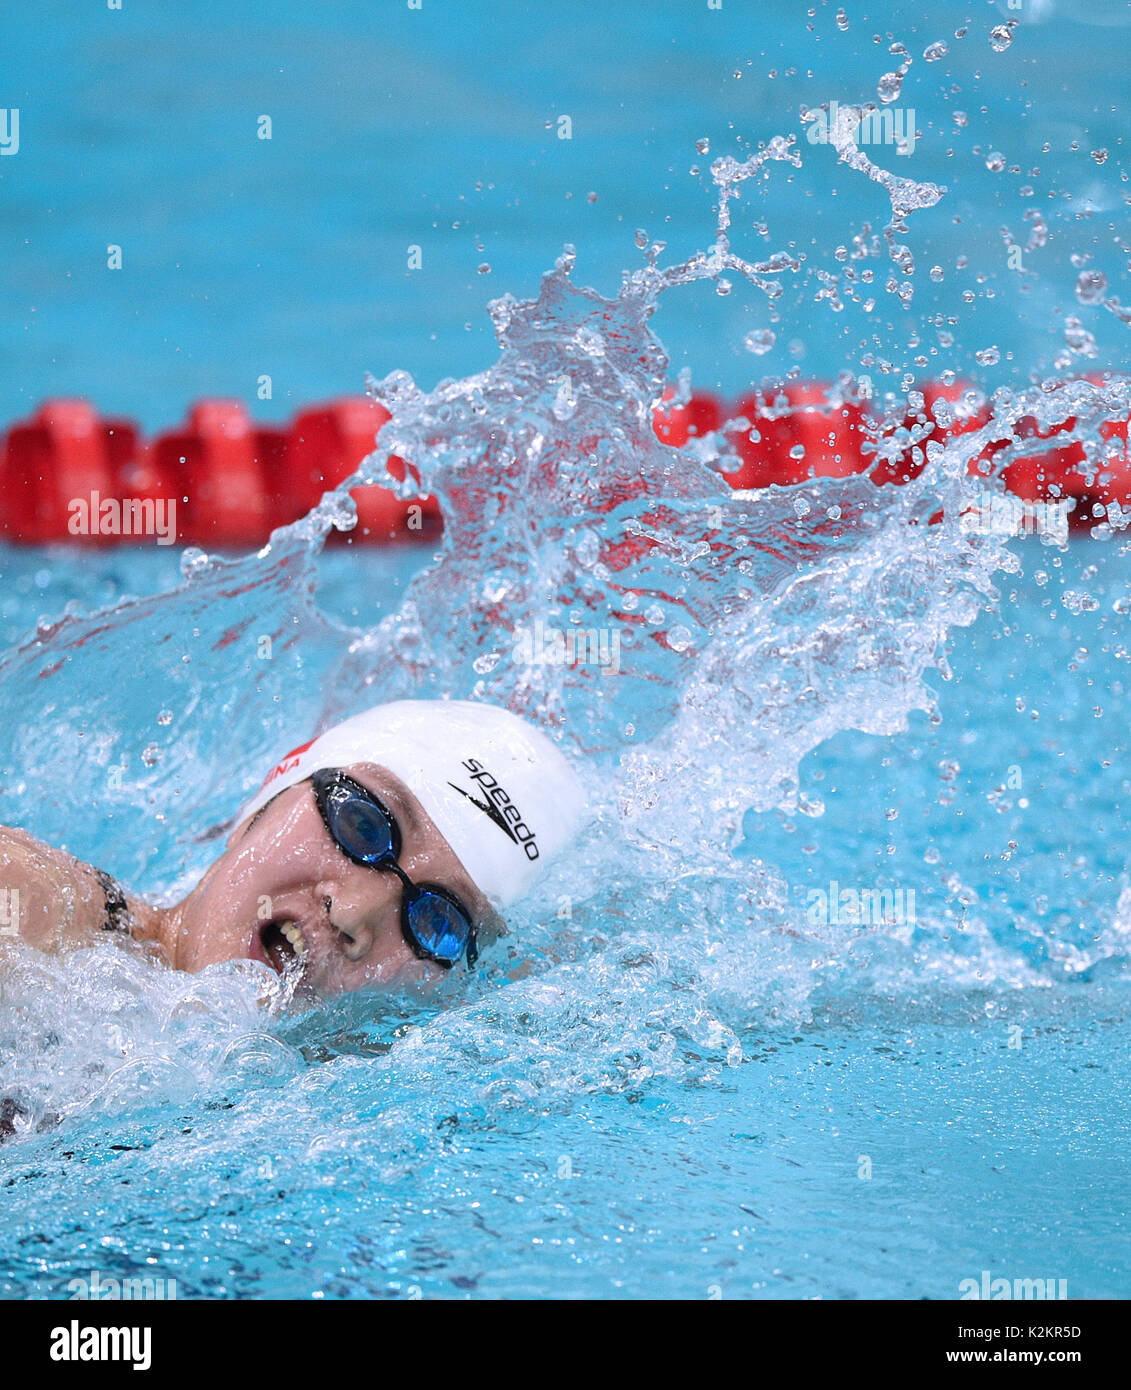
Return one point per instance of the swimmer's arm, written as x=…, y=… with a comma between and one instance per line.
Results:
x=47, y=898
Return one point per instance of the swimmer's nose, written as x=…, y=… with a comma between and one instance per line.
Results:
x=352, y=921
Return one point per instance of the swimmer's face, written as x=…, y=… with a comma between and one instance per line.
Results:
x=283, y=893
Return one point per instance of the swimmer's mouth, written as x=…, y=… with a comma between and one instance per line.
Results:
x=283, y=945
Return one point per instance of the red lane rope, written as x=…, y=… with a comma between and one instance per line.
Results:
x=69, y=474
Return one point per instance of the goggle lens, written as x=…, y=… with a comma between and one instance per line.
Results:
x=439, y=926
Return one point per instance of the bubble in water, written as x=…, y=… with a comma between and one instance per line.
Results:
x=484, y=269
x=150, y=754
x=959, y=117
x=988, y=357
x=1001, y=36
x=936, y=273
x=889, y=86
x=703, y=146
x=841, y=20
x=759, y=341
x=1100, y=156
x=679, y=639
x=165, y=717
x=934, y=51
x=995, y=161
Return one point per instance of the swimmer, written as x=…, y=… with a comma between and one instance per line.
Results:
x=383, y=850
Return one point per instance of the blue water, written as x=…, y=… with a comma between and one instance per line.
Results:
x=394, y=128
x=472, y=1175
x=683, y=1088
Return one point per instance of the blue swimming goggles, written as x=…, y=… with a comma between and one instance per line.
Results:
x=435, y=924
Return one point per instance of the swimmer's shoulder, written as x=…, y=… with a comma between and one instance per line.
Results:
x=47, y=897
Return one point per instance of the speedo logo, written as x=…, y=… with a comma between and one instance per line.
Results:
x=499, y=807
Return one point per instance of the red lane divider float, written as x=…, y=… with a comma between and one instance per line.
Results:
x=796, y=435
x=221, y=480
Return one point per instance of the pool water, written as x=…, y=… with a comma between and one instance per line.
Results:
x=672, y=1078
x=932, y=1114
x=754, y=1185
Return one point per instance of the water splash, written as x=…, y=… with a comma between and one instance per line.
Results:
x=751, y=628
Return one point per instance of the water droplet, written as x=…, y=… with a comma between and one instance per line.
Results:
x=591, y=343
x=1001, y=36
x=1090, y=286
x=484, y=269
x=1079, y=340
x=889, y=86
x=194, y=562
x=1078, y=601
x=759, y=341
x=934, y=51
x=588, y=550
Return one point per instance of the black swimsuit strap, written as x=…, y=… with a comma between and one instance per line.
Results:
x=118, y=916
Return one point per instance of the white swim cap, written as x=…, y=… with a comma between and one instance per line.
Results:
x=498, y=790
